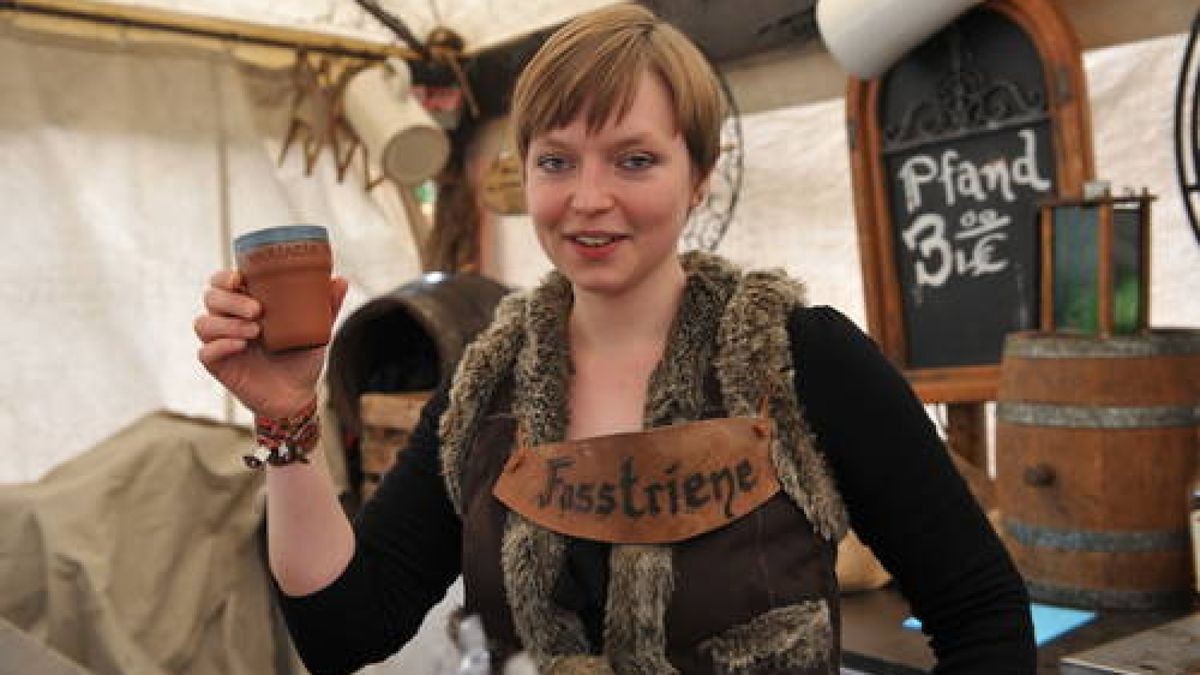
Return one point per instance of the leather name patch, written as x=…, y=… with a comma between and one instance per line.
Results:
x=652, y=487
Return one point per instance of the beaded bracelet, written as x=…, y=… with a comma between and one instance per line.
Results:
x=284, y=440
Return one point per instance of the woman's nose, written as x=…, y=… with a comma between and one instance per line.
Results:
x=592, y=191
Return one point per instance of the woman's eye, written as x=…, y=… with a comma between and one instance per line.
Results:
x=552, y=163
x=638, y=160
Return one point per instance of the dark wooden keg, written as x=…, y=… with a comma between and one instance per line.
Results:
x=405, y=342
x=1096, y=442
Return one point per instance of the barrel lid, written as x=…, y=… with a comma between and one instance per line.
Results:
x=1157, y=342
x=277, y=235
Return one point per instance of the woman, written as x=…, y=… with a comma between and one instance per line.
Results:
x=608, y=366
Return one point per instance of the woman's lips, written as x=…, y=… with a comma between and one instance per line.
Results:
x=595, y=245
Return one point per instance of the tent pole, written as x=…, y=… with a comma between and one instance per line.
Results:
x=127, y=16
x=223, y=209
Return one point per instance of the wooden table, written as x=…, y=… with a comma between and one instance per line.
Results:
x=873, y=641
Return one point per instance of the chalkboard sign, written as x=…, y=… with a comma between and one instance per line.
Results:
x=967, y=155
x=953, y=148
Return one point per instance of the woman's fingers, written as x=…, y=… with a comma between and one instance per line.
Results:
x=211, y=327
x=227, y=295
x=212, y=353
x=218, y=300
x=229, y=280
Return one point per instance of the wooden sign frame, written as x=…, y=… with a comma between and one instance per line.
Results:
x=1070, y=130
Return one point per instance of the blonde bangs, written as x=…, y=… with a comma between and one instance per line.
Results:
x=602, y=78
x=597, y=61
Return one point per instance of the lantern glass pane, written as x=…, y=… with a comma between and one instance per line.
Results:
x=1076, y=242
x=1127, y=269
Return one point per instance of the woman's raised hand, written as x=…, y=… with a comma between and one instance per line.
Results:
x=272, y=385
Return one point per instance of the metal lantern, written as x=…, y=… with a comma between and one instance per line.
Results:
x=1095, y=261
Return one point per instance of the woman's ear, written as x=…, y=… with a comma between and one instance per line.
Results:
x=700, y=191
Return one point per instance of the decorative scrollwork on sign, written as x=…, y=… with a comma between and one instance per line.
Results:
x=966, y=100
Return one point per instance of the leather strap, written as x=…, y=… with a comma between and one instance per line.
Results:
x=652, y=487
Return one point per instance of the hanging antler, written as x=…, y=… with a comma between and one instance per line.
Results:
x=317, y=112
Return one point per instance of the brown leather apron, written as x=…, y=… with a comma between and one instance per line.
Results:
x=659, y=486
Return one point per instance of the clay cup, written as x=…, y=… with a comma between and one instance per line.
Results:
x=288, y=269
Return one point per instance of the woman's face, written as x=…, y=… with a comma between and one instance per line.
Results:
x=609, y=206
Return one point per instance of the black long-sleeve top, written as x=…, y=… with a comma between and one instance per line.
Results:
x=904, y=496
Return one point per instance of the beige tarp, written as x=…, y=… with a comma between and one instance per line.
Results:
x=141, y=555
x=21, y=653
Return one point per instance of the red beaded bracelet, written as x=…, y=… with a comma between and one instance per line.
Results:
x=284, y=440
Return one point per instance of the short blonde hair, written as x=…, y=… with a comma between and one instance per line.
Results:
x=597, y=60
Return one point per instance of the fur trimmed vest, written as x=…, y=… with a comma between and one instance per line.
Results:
x=756, y=596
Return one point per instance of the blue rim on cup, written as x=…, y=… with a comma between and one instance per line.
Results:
x=278, y=235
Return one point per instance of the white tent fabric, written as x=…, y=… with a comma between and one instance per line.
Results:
x=120, y=168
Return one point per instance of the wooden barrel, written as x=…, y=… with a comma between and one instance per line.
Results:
x=1096, y=443
x=406, y=341
x=387, y=420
